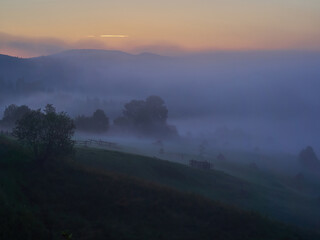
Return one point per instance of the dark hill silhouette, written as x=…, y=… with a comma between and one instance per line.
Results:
x=65, y=197
x=8, y=58
x=73, y=66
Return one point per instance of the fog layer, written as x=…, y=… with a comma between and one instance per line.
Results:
x=271, y=98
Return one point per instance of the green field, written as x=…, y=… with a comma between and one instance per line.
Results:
x=99, y=194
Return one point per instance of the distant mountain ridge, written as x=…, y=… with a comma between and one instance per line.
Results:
x=78, y=52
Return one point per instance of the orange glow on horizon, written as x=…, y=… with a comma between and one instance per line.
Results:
x=174, y=26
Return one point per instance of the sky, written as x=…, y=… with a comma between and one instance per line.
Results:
x=41, y=27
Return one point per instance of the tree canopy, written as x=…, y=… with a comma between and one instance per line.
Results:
x=148, y=117
x=97, y=123
x=12, y=113
x=48, y=133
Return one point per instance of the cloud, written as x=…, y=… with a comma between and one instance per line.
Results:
x=113, y=36
x=31, y=47
x=88, y=44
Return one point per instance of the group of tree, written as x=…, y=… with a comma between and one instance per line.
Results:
x=47, y=133
x=97, y=123
x=141, y=117
x=12, y=113
x=146, y=117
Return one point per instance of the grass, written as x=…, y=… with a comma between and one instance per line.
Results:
x=82, y=198
x=260, y=192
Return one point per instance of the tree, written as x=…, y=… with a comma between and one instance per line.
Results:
x=134, y=112
x=97, y=123
x=145, y=113
x=48, y=133
x=147, y=117
x=100, y=121
x=156, y=109
x=12, y=113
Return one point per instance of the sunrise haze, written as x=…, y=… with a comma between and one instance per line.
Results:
x=157, y=26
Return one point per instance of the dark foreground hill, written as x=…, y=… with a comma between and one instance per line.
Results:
x=253, y=189
x=64, y=196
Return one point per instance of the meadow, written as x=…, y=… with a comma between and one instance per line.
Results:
x=101, y=194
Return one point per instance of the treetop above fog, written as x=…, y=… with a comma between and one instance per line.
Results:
x=148, y=117
x=147, y=112
x=97, y=123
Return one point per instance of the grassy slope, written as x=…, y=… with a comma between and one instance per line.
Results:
x=40, y=203
x=263, y=193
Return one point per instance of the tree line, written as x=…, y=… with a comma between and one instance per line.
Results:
x=140, y=117
x=49, y=133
